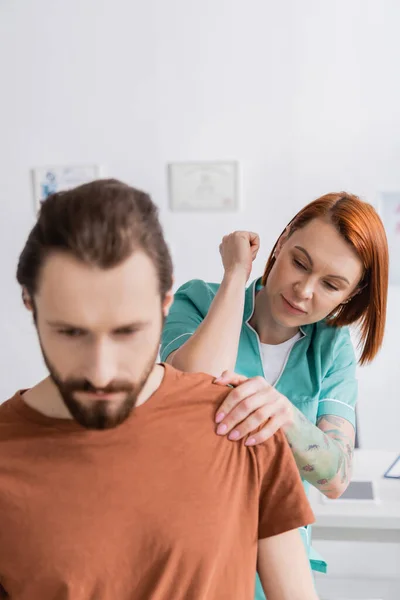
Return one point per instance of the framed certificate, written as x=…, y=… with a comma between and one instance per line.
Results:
x=203, y=186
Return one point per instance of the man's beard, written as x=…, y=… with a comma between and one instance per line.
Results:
x=99, y=414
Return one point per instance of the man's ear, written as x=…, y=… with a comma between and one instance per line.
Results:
x=168, y=300
x=26, y=299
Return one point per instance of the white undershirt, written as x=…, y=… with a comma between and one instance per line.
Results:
x=274, y=357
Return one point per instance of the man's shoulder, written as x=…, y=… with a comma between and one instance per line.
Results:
x=197, y=394
x=195, y=386
x=9, y=415
x=6, y=407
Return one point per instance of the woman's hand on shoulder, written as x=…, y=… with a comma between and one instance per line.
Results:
x=238, y=250
x=253, y=408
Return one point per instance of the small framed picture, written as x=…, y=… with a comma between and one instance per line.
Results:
x=393, y=471
x=48, y=180
x=389, y=209
x=203, y=186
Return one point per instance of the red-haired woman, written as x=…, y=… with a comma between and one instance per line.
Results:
x=288, y=333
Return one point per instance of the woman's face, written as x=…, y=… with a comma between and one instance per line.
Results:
x=315, y=271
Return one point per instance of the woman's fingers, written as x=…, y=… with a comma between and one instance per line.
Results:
x=230, y=378
x=265, y=433
x=250, y=405
x=244, y=389
x=251, y=423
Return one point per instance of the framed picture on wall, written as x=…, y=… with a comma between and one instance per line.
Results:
x=203, y=186
x=48, y=180
x=393, y=471
x=389, y=209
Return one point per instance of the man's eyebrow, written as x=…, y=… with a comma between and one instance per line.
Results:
x=63, y=324
x=132, y=325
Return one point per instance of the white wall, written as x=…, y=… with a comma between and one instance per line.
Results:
x=304, y=95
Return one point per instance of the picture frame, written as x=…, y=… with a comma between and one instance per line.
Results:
x=50, y=179
x=393, y=472
x=203, y=186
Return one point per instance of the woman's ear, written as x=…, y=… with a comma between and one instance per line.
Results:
x=281, y=242
x=357, y=291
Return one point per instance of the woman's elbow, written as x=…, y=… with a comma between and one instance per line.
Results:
x=335, y=490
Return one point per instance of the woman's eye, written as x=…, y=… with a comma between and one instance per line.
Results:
x=331, y=287
x=299, y=264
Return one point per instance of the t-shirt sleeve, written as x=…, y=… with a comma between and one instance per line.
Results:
x=185, y=315
x=339, y=388
x=283, y=502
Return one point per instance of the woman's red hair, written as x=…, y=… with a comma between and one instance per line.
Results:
x=362, y=228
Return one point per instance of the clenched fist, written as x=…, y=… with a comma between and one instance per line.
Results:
x=238, y=250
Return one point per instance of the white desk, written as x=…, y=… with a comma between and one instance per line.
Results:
x=362, y=520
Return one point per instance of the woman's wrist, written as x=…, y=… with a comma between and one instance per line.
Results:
x=235, y=276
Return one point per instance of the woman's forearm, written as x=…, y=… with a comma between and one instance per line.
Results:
x=323, y=460
x=214, y=346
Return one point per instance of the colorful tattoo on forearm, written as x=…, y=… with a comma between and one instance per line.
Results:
x=324, y=458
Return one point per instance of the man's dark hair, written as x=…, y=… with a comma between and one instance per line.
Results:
x=101, y=224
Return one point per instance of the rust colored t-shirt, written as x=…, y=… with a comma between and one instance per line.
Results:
x=159, y=508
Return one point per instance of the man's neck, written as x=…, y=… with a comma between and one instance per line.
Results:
x=46, y=399
x=152, y=384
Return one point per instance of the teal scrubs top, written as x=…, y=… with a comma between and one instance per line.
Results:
x=319, y=376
